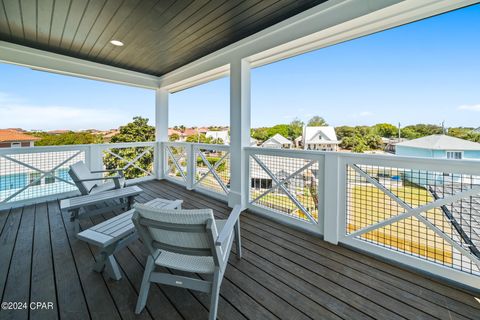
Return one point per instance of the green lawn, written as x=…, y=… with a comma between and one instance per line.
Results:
x=368, y=205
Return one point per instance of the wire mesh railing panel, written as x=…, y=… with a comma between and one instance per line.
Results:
x=212, y=169
x=136, y=162
x=431, y=215
x=176, y=156
x=287, y=185
x=25, y=176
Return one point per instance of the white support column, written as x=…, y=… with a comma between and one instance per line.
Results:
x=161, y=130
x=332, y=207
x=191, y=165
x=239, y=131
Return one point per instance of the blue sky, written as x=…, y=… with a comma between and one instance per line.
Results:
x=425, y=72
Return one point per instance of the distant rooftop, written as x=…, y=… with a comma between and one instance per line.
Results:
x=278, y=139
x=441, y=142
x=11, y=135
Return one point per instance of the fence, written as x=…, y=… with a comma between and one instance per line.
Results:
x=31, y=174
x=198, y=166
x=287, y=183
x=423, y=213
x=419, y=212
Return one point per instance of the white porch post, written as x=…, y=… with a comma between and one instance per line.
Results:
x=161, y=130
x=333, y=175
x=239, y=130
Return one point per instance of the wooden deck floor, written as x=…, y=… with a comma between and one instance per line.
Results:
x=284, y=274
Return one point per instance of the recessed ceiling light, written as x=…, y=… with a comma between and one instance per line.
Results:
x=117, y=43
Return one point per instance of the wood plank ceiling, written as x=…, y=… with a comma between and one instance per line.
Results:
x=159, y=35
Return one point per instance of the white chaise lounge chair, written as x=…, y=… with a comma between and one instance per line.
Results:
x=88, y=182
x=186, y=240
x=95, y=191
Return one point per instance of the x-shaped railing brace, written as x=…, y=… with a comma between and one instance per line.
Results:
x=42, y=172
x=132, y=162
x=281, y=185
x=212, y=170
x=175, y=163
x=416, y=212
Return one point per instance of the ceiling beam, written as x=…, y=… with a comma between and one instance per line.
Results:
x=57, y=63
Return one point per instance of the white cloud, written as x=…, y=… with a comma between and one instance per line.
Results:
x=17, y=113
x=470, y=107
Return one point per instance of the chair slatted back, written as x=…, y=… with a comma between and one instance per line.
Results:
x=188, y=232
x=79, y=171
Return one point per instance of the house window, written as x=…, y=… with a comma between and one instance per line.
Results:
x=16, y=144
x=454, y=155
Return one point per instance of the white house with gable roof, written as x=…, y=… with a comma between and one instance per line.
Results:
x=321, y=138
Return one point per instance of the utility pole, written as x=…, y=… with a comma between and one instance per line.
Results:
x=443, y=127
x=399, y=132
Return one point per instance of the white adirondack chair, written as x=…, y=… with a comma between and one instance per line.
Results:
x=88, y=182
x=186, y=240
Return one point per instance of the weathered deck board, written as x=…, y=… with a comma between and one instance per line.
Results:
x=284, y=274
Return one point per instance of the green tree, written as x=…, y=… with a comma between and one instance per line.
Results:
x=174, y=137
x=373, y=141
x=409, y=133
x=282, y=129
x=344, y=131
x=198, y=138
x=385, y=130
x=296, y=129
x=422, y=130
x=261, y=134
x=317, y=121
x=136, y=131
x=67, y=138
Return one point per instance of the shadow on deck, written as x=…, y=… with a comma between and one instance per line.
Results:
x=284, y=274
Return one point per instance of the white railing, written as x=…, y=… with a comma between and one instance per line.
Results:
x=199, y=166
x=136, y=159
x=287, y=185
x=419, y=212
x=424, y=213
x=29, y=175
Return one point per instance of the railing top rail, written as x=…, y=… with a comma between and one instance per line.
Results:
x=200, y=145
x=125, y=144
x=27, y=150
x=285, y=152
x=38, y=149
x=210, y=146
x=433, y=164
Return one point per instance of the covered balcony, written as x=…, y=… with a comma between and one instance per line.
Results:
x=325, y=235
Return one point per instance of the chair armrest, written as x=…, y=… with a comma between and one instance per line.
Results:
x=119, y=171
x=228, y=227
x=101, y=178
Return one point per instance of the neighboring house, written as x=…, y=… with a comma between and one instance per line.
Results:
x=321, y=138
x=253, y=142
x=281, y=167
x=10, y=138
x=389, y=144
x=439, y=146
x=477, y=130
x=277, y=142
x=219, y=135
x=298, y=142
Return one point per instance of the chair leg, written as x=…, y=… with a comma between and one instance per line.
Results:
x=214, y=295
x=143, y=294
x=238, y=239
